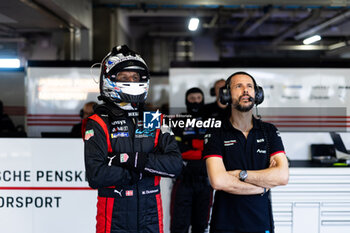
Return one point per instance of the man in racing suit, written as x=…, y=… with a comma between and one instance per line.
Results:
x=124, y=160
x=191, y=197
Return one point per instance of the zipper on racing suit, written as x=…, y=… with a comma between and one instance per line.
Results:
x=134, y=121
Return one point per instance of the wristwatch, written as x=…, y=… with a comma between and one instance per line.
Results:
x=243, y=175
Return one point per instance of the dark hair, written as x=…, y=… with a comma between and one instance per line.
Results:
x=225, y=92
x=228, y=80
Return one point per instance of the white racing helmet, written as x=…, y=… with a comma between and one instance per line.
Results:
x=121, y=58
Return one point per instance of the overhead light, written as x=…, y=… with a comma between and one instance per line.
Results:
x=193, y=24
x=9, y=63
x=312, y=39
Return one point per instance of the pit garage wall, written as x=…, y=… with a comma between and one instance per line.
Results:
x=12, y=94
x=285, y=89
x=310, y=99
x=55, y=95
x=304, y=103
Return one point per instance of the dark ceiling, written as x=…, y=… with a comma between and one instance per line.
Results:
x=270, y=29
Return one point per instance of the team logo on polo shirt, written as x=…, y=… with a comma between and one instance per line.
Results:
x=261, y=151
x=260, y=140
x=230, y=142
x=206, y=138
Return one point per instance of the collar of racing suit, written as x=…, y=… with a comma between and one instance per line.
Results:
x=114, y=111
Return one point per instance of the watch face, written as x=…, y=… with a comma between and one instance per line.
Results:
x=243, y=175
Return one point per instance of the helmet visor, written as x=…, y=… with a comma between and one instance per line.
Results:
x=128, y=75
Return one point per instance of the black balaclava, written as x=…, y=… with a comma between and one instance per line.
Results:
x=194, y=108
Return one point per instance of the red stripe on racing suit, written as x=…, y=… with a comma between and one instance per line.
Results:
x=104, y=214
x=99, y=120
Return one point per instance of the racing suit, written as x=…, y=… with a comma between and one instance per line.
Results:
x=129, y=201
x=192, y=194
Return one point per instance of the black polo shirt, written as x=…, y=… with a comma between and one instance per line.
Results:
x=243, y=213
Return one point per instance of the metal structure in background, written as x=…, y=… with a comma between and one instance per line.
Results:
x=245, y=26
x=56, y=26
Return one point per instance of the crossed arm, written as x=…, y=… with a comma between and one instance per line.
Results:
x=228, y=181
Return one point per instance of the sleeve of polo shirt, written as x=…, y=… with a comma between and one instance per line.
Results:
x=213, y=142
x=275, y=140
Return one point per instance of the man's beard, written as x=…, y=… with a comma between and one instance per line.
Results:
x=242, y=108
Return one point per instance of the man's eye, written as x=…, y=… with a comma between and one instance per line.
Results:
x=121, y=78
x=136, y=78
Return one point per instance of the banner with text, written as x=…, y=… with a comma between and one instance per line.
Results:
x=43, y=187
